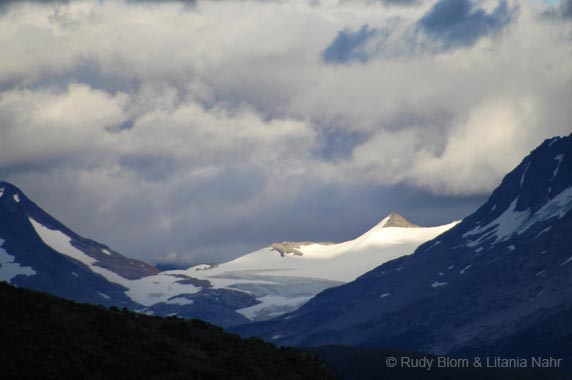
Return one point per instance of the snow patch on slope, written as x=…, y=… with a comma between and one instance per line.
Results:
x=145, y=291
x=9, y=268
x=513, y=222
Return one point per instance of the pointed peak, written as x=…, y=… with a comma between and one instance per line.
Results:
x=396, y=220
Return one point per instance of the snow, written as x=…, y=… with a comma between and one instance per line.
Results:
x=511, y=247
x=512, y=222
x=462, y=271
x=75, y=274
x=106, y=252
x=567, y=261
x=282, y=283
x=451, y=267
x=441, y=274
x=145, y=291
x=543, y=231
x=9, y=268
x=16, y=198
x=559, y=159
x=180, y=301
x=274, y=337
x=61, y=243
x=437, y=284
x=385, y=295
x=540, y=273
x=341, y=262
x=104, y=295
x=524, y=174
x=1, y=192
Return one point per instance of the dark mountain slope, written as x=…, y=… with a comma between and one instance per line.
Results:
x=44, y=337
x=487, y=286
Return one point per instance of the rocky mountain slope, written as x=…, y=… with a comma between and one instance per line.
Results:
x=497, y=283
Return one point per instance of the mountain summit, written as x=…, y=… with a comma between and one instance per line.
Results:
x=396, y=220
x=493, y=284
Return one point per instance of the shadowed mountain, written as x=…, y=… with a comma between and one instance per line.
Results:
x=498, y=283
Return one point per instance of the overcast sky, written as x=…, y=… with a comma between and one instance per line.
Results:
x=198, y=131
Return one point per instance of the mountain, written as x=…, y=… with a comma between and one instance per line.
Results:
x=496, y=283
x=39, y=252
x=285, y=275
x=48, y=337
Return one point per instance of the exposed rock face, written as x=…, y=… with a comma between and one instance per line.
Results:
x=396, y=220
x=286, y=247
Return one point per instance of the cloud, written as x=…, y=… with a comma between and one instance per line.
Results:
x=457, y=23
x=562, y=11
x=203, y=134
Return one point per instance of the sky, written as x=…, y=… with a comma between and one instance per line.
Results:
x=197, y=131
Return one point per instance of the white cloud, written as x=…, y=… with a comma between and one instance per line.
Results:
x=217, y=112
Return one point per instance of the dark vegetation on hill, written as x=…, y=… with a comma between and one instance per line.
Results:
x=44, y=337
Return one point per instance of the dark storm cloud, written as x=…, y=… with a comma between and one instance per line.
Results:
x=336, y=143
x=351, y=45
x=461, y=23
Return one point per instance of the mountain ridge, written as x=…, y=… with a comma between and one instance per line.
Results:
x=485, y=283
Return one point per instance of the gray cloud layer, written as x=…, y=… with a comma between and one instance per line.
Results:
x=199, y=134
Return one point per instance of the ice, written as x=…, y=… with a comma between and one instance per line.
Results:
x=437, y=284
x=9, y=268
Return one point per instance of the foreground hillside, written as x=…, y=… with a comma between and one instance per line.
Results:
x=50, y=338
